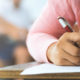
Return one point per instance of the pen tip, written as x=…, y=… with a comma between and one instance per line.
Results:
x=59, y=17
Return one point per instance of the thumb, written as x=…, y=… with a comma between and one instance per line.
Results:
x=75, y=27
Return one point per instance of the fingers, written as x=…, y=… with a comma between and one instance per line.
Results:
x=71, y=49
x=67, y=63
x=70, y=58
x=64, y=62
x=62, y=58
x=75, y=27
x=74, y=36
x=65, y=52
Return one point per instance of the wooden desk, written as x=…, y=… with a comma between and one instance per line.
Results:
x=14, y=72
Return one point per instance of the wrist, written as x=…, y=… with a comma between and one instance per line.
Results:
x=50, y=52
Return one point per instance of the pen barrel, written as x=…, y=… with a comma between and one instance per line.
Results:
x=68, y=29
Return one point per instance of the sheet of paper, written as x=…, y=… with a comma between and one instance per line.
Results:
x=50, y=68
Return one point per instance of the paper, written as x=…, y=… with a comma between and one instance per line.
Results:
x=50, y=68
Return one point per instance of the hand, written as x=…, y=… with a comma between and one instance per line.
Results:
x=64, y=52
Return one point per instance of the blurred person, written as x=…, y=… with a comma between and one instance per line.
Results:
x=17, y=18
x=14, y=22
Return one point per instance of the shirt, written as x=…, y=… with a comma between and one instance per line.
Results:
x=20, y=17
x=47, y=30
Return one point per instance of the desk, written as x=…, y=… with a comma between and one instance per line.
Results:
x=14, y=72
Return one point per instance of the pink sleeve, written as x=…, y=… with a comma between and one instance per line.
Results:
x=75, y=5
x=47, y=30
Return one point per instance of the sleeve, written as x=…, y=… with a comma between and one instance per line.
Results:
x=75, y=5
x=47, y=30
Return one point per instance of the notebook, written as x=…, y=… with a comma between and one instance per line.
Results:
x=48, y=68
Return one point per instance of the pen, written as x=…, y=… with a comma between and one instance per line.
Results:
x=67, y=27
x=65, y=24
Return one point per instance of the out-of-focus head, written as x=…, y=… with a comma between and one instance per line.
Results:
x=16, y=3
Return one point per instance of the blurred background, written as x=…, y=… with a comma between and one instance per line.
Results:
x=16, y=18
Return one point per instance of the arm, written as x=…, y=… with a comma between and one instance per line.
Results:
x=47, y=30
x=12, y=31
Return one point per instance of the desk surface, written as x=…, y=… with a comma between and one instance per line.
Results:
x=14, y=72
